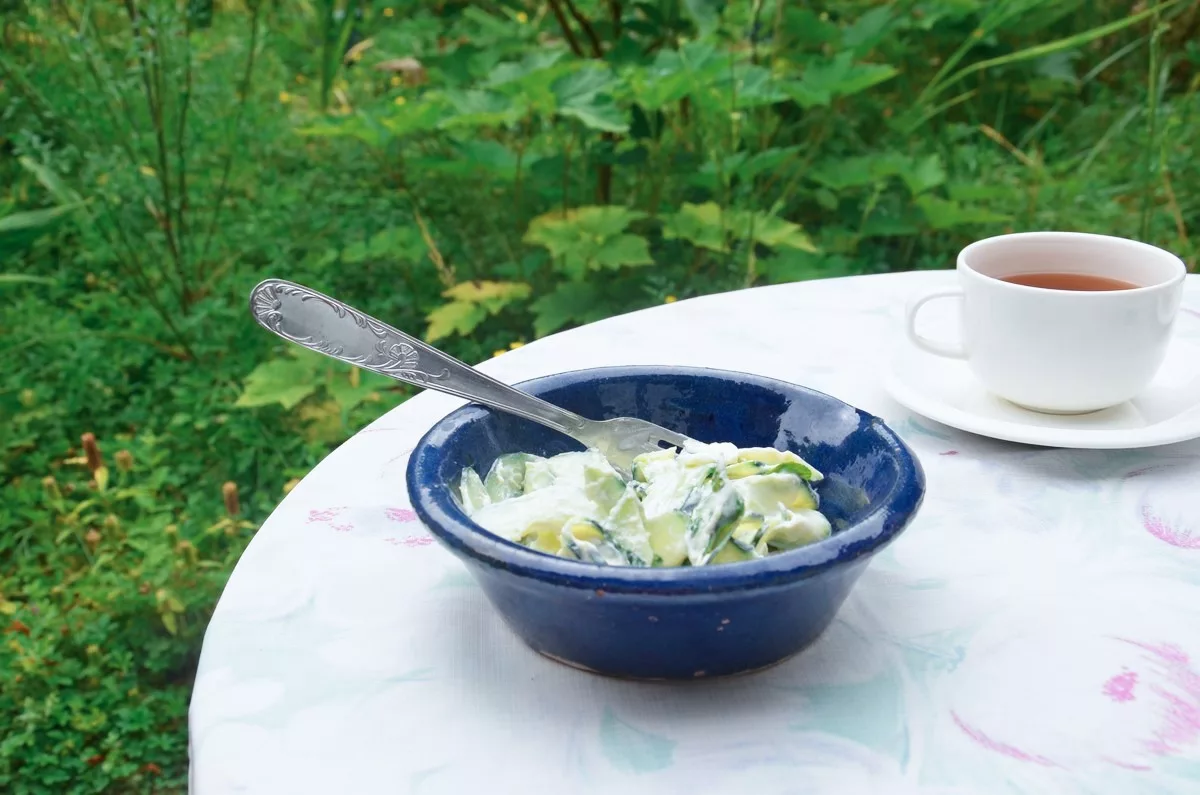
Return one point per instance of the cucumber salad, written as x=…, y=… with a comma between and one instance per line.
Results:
x=704, y=504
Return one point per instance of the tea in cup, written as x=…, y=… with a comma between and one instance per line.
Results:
x=1061, y=322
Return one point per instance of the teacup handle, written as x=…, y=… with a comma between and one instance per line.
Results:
x=951, y=350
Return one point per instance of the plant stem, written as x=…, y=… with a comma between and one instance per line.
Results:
x=1151, y=123
x=185, y=100
x=243, y=96
x=565, y=27
x=588, y=30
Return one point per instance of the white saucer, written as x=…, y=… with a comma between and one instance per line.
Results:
x=945, y=390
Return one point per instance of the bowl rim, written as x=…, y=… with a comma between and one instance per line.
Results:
x=437, y=509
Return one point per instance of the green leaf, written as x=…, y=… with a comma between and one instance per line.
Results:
x=623, y=250
x=398, y=244
x=341, y=387
x=750, y=86
x=590, y=238
x=359, y=126
x=772, y=231
x=51, y=182
x=456, y=317
x=805, y=27
x=705, y=226
x=10, y=278
x=470, y=304
x=419, y=116
x=600, y=113
x=946, y=214
x=570, y=302
x=478, y=108
x=582, y=95
x=492, y=295
x=604, y=221
x=867, y=30
x=679, y=73
x=923, y=174
x=806, y=95
x=854, y=172
x=285, y=381
x=536, y=63
x=705, y=14
x=583, y=83
x=699, y=224
x=34, y=218
x=839, y=76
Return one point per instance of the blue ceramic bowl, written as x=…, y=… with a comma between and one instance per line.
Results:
x=677, y=623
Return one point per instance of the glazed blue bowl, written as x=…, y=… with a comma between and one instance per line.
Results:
x=677, y=623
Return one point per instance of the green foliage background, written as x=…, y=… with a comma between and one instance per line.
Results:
x=473, y=172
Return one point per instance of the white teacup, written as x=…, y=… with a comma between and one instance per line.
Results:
x=1061, y=351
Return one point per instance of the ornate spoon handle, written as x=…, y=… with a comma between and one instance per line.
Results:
x=328, y=326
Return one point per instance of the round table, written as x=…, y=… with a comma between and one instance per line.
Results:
x=1036, y=630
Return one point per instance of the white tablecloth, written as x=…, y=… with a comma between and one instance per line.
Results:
x=1036, y=630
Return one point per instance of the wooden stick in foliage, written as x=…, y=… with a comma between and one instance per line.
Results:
x=569, y=34
x=589, y=31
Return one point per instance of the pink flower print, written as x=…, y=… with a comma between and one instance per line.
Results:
x=1168, y=508
x=410, y=541
x=327, y=515
x=324, y=514
x=1166, y=530
x=1011, y=751
x=1126, y=765
x=1177, y=687
x=400, y=514
x=1120, y=687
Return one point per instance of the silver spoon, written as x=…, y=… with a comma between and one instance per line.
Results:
x=326, y=325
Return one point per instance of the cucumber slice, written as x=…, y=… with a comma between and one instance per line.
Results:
x=716, y=512
x=744, y=469
x=626, y=528
x=649, y=465
x=471, y=492
x=544, y=537
x=798, y=529
x=668, y=537
x=746, y=534
x=602, y=486
x=538, y=475
x=506, y=478
x=770, y=458
x=731, y=553
x=579, y=529
x=534, y=514
x=776, y=493
x=800, y=469
x=702, y=455
x=585, y=540
x=701, y=487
